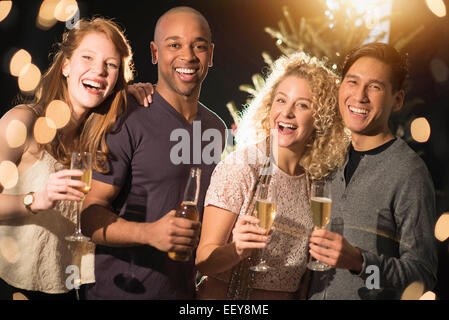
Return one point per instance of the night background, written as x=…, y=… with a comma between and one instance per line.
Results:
x=239, y=37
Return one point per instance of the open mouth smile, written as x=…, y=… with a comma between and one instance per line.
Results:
x=358, y=111
x=286, y=128
x=186, y=74
x=93, y=86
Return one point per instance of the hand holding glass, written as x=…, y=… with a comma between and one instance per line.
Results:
x=81, y=161
x=321, y=208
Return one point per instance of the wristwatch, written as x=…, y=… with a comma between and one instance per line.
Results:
x=28, y=201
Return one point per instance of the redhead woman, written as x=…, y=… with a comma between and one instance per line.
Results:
x=89, y=72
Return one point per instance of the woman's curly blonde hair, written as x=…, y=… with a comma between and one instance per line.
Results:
x=328, y=146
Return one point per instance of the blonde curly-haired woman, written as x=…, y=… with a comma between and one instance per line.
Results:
x=298, y=106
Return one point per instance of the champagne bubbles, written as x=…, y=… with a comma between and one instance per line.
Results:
x=59, y=112
x=9, y=174
x=442, y=227
x=44, y=130
x=16, y=134
x=420, y=130
x=5, y=8
x=437, y=7
x=9, y=249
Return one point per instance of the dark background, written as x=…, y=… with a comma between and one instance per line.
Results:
x=239, y=37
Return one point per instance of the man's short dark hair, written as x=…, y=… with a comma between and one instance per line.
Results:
x=385, y=53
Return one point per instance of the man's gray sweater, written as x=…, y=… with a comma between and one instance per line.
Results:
x=387, y=211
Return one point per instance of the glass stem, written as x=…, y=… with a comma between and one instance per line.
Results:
x=78, y=216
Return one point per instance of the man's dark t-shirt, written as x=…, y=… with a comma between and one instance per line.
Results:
x=145, y=164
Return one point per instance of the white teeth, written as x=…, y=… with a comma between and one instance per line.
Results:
x=357, y=110
x=287, y=125
x=184, y=70
x=92, y=83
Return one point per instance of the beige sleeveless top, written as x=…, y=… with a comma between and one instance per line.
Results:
x=33, y=252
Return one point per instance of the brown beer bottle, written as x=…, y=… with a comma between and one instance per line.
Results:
x=188, y=209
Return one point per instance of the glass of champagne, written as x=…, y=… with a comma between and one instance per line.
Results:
x=321, y=208
x=81, y=161
x=265, y=211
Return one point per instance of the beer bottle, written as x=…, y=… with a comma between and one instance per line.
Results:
x=188, y=207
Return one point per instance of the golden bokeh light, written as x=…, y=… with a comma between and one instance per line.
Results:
x=46, y=17
x=44, y=130
x=420, y=130
x=9, y=174
x=5, y=8
x=59, y=112
x=413, y=292
x=9, y=249
x=65, y=10
x=19, y=296
x=437, y=7
x=429, y=295
x=16, y=133
x=29, y=78
x=18, y=61
x=442, y=227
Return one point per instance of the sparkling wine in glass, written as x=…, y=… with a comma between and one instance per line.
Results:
x=321, y=209
x=188, y=208
x=81, y=161
x=265, y=211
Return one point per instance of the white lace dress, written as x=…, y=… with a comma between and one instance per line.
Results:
x=287, y=250
x=33, y=252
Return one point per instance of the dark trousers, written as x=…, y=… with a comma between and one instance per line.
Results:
x=7, y=292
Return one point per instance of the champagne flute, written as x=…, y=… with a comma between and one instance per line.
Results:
x=321, y=209
x=265, y=211
x=81, y=161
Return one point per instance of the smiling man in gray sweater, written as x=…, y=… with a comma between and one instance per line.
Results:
x=383, y=194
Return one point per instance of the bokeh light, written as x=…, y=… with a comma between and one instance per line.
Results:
x=9, y=249
x=439, y=70
x=437, y=7
x=29, y=78
x=44, y=130
x=9, y=174
x=18, y=61
x=5, y=8
x=420, y=130
x=59, y=112
x=429, y=295
x=413, y=292
x=46, y=17
x=19, y=296
x=16, y=133
x=442, y=227
x=65, y=10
